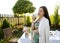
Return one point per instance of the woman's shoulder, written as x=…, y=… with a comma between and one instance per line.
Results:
x=46, y=19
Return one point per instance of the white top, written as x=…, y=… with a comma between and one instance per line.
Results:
x=44, y=30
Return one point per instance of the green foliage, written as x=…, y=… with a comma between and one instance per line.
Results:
x=23, y=6
x=56, y=17
x=1, y=34
x=5, y=24
x=5, y=40
x=18, y=33
x=28, y=21
x=52, y=19
x=59, y=19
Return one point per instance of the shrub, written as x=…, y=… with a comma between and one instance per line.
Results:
x=28, y=21
x=5, y=24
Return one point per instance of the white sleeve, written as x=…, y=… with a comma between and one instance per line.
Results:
x=41, y=28
x=44, y=31
x=47, y=28
x=41, y=32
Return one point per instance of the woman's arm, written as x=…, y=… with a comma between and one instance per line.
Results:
x=32, y=26
x=36, y=31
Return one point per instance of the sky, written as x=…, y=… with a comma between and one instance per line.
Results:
x=50, y=4
x=7, y=5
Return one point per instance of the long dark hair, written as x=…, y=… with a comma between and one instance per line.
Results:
x=46, y=15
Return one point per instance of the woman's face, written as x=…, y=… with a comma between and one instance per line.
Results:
x=40, y=12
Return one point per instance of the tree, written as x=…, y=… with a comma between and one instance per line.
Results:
x=59, y=21
x=56, y=22
x=23, y=7
x=52, y=19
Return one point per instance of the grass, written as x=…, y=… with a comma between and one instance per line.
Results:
x=4, y=40
x=17, y=34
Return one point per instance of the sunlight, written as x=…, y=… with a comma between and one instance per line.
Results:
x=50, y=4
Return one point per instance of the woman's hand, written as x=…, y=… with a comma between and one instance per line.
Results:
x=36, y=31
x=33, y=18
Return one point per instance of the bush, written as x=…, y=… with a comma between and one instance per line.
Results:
x=28, y=21
x=5, y=24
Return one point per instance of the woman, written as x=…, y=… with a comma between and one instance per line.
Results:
x=42, y=32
